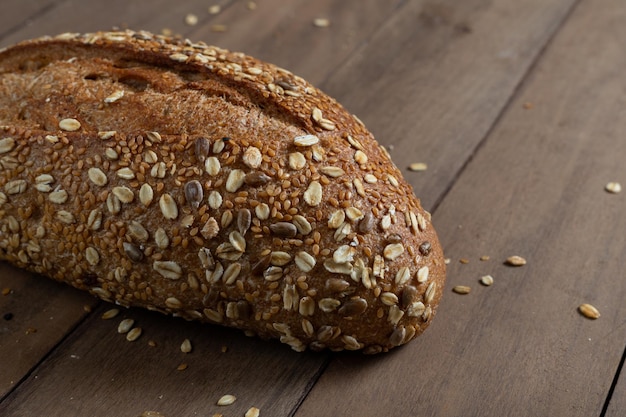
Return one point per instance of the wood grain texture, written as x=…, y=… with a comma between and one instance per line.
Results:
x=35, y=315
x=97, y=372
x=617, y=404
x=535, y=189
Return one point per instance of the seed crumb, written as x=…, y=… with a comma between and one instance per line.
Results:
x=447, y=261
x=251, y=5
x=515, y=260
x=31, y=330
x=321, y=22
x=185, y=347
x=418, y=167
x=464, y=261
x=166, y=32
x=125, y=326
x=484, y=258
x=226, y=399
x=224, y=349
x=215, y=9
x=613, y=187
x=109, y=314
x=218, y=28
x=151, y=414
x=589, y=311
x=182, y=367
x=151, y=343
x=253, y=412
x=486, y=280
x=528, y=105
x=87, y=308
x=191, y=19
x=461, y=289
x=133, y=334
x=6, y=291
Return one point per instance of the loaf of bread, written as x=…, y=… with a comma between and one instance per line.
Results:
x=209, y=185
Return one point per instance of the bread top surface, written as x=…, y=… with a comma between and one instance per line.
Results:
x=205, y=183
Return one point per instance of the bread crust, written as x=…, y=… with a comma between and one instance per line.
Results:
x=209, y=185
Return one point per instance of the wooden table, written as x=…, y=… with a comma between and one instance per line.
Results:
x=519, y=110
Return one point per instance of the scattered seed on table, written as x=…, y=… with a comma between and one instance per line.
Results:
x=191, y=19
x=251, y=5
x=486, y=280
x=253, y=412
x=185, y=347
x=484, y=258
x=182, y=367
x=461, y=289
x=321, y=22
x=151, y=343
x=6, y=291
x=515, y=261
x=528, y=105
x=464, y=260
x=589, y=311
x=109, y=314
x=226, y=400
x=447, y=261
x=31, y=330
x=215, y=9
x=151, y=414
x=87, y=308
x=613, y=187
x=224, y=349
x=133, y=334
x=418, y=167
x=125, y=325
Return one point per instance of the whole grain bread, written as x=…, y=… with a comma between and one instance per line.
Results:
x=209, y=185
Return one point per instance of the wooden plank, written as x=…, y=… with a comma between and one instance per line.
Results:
x=536, y=189
x=432, y=80
x=16, y=13
x=617, y=404
x=36, y=315
x=97, y=372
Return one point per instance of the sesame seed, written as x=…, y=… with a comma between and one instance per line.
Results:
x=69, y=125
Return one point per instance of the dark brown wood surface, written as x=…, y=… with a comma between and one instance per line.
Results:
x=516, y=107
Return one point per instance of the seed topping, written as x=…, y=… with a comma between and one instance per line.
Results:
x=515, y=260
x=168, y=206
x=97, y=176
x=69, y=125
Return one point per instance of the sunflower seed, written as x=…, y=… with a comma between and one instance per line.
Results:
x=254, y=179
x=194, y=193
x=133, y=252
x=133, y=334
x=109, y=314
x=284, y=229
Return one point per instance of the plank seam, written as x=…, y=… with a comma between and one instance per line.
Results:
x=614, y=383
x=509, y=102
x=312, y=382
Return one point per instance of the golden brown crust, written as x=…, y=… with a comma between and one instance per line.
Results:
x=206, y=184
